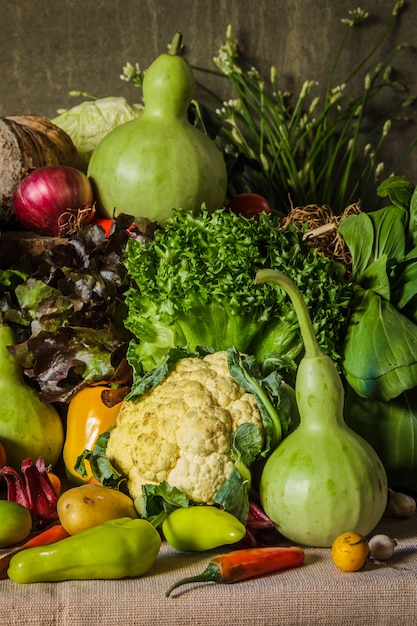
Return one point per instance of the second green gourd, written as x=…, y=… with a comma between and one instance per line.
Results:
x=323, y=479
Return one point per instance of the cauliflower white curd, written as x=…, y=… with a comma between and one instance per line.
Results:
x=181, y=431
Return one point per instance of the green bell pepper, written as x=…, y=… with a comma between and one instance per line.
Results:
x=120, y=548
x=202, y=527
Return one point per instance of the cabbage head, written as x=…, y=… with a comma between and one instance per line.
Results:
x=90, y=121
x=391, y=429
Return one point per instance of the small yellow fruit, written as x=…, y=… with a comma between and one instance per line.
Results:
x=350, y=551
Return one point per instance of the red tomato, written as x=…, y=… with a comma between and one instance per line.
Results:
x=55, y=482
x=105, y=223
x=249, y=205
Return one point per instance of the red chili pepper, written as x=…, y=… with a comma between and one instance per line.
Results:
x=242, y=564
x=54, y=533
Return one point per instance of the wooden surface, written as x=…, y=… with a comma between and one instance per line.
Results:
x=15, y=244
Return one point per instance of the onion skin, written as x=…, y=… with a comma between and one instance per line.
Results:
x=54, y=200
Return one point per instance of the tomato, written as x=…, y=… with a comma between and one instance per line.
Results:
x=107, y=225
x=104, y=222
x=16, y=523
x=249, y=205
x=55, y=482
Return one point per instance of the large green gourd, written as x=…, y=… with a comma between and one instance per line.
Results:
x=159, y=161
x=28, y=427
x=323, y=479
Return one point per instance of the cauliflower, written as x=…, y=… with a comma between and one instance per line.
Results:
x=181, y=431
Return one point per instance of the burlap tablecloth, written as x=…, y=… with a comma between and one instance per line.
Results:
x=315, y=593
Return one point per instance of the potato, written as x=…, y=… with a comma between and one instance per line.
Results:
x=89, y=505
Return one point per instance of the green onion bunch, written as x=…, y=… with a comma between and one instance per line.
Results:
x=316, y=149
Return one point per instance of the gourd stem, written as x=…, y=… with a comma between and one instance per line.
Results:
x=175, y=47
x=311, y=346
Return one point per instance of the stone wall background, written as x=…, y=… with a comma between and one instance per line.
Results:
x=49, y=47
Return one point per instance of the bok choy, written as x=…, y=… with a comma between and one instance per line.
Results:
x=380, y=353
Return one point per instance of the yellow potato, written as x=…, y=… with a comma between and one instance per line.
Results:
x=89, y=505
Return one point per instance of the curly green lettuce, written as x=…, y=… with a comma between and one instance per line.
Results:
x=193, y=285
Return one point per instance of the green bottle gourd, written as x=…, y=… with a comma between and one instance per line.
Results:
x=29, y=428
x=159, y=161
x=323, y=479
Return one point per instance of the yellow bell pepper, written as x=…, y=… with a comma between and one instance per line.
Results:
x=87, y=418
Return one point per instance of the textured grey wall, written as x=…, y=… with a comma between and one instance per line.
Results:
x=48, y=47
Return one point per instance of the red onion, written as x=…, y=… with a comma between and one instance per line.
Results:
x=54, y=200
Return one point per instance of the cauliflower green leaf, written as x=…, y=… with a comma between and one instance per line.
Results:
x=189, y=434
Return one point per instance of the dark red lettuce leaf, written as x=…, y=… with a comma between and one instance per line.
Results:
x=67, y=308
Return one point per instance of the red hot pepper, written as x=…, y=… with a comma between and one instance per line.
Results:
x=54, y=533
x=242, y=564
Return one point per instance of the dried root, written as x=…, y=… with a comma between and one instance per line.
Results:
x=322, y=231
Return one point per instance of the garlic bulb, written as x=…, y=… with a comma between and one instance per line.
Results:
x=400, y=504
x=381, y=547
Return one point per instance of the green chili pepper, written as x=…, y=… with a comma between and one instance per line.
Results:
x=200, y=528
x=121, y=548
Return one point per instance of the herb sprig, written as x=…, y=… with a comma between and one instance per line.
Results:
x=316, y=149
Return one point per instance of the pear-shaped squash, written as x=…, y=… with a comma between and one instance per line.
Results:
x=323, y=479
x=159, y=161
x=28, y=427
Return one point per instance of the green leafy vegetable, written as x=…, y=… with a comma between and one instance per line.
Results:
x=380, y=353
x=162, y=498
x=67, y=307
x=391, y=429
x=193, y=285
x=100, y=465
x=247, y=444
x=381, y=348
x=271, y=396
x=90, y=121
